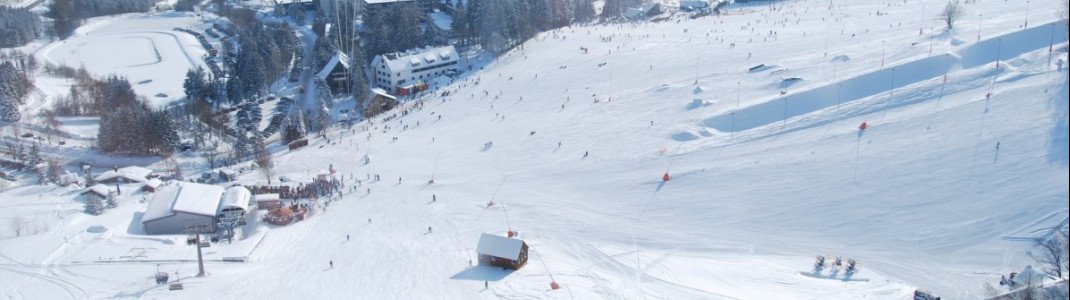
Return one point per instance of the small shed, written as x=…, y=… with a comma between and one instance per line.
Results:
x=297, y=144
x=267, y=201
x=381, y=101
x=152, y=185
x=502, y=251
x=97, y=190
x=226, y=175
x=69, y=178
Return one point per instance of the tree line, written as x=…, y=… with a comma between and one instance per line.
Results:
x=67, y=15
x=14, y=86
x=129, y=126
x=18, y=26
x=499, y=25
x=260, y=54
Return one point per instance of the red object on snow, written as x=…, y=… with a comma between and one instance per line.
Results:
x=665, y=177
x=511, y=233
x=554, y=286
x=863, y=126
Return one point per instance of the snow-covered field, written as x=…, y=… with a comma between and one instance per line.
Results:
x=766, y=172
x=143, y=48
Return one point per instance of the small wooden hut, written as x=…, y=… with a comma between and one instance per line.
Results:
x=502, y=251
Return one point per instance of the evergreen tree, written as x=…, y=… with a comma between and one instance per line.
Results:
x=461, y=24
x=613, y=9
x=295, y=128
x=195, y=86
x=9, y=106
x=33, y=158
x=433, y=35
x=242, y=145
x=184, y=5
x=164, y=133
x=584, y=11
x=407, y=27
x=11, y=86
x=358, y=82
x=111, y=201
x=18, y=26
x=94, y=205
x=64, y=21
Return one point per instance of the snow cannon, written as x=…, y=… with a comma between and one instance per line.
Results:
x=554, y=285
x=491, y=203
x=665, y=177
x=863, y=126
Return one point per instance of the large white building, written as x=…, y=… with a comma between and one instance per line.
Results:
x=178, y=207
x=402, y=73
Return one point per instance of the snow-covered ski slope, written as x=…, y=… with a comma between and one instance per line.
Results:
x=922, y=199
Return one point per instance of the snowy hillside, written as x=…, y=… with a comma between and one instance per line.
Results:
x=754, y=114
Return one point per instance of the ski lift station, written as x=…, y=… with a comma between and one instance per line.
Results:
x=179, y=206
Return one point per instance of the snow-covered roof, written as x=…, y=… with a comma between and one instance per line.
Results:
x=499, y=246
x=187, y=197
x=153, y=183
x=98, y=189
x=134, y=173
x=635, y=12
x=382, y=92
x=236, y=197
x=266, y=197
x=418, y=58
x=69, y=177
x=338, y=58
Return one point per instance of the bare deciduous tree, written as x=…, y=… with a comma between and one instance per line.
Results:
x=263, y=161
x=16, y=224
x=952, y=12
x=1051, y=253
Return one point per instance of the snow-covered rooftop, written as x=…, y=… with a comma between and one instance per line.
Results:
x=236, y=197
x=153, y=183
x=499, y=246
x=418, y=58
x=187, y=197
x=98, y=189
x=134, y=173
x=338, y=58
x=266, y=197
x=382, y=92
